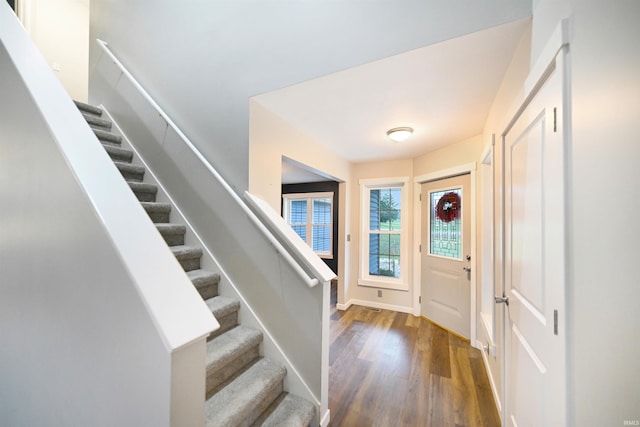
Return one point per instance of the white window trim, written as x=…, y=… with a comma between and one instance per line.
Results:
x=310, y=196
x=364, y=278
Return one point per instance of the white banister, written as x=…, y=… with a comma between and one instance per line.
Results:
x=279, y=227
x=310, y=261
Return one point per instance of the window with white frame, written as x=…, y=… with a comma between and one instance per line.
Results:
x=385, y=229
x=311, y=217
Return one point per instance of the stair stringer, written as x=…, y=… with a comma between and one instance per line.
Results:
x=293, y=381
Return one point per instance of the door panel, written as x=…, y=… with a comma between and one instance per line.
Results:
x=445, y=285
x=534, y=260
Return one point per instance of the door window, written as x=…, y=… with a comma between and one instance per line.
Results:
x=445, y=235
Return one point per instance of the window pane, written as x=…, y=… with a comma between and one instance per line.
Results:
x=321, y=211
x=390, y=209
x=446, y=225
x=374, y=210
x=301, y=231
x=394, y=244
x=298, y=212
x=321, y=238
x=384, y=209
x=374, y=254
x=384, y=255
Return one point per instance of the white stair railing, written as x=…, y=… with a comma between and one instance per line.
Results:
x=313, y=270
x=261, y=259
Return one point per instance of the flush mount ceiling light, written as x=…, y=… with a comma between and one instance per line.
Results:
x=399, y=134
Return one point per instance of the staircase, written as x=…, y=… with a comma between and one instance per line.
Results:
x=242, y=388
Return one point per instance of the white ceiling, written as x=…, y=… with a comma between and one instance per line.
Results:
x=444, y=91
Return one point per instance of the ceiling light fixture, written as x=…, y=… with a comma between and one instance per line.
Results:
x=399, y=134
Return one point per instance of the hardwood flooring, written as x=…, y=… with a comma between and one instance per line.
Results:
x=394, y=369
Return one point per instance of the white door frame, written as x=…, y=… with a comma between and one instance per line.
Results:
x=469, y=168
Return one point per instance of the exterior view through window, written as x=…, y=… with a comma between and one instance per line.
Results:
x=311, y=217
x=384, y=231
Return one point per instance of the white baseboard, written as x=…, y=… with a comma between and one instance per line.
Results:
x=485, y=361
x=373, y=304
x=343, y=307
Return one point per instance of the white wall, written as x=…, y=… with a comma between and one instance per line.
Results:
x=271, y=139
x=290, y=311
x=60, y=29
x=602, y=288
x=95, y=308
x=66, y=359
x=603, y=292
x=509, y=96
x=401, y=300
x=202, y=61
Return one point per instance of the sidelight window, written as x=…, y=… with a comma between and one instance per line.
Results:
x=384, y=233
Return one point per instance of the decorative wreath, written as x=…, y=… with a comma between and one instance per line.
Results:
x=448, y=207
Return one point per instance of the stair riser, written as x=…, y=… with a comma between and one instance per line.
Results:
x=109, y=142
x=260, y=406
x=207, y=291
x=120, y=156
x=189, y=264
x=132, y=176
x=227, y=323
x=173, y=239
x=217, y=379
x=88, y=109
x=144, y=196
x=98, y=123
x=158, y=217
x=104, y=136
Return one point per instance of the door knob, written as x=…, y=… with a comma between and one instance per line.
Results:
x=502, y=299
x=467, y=269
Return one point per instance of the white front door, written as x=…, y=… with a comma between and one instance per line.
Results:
x=445, y=264
x=535, y=260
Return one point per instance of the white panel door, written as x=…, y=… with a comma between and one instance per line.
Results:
x=445, y=258
x=535, y=260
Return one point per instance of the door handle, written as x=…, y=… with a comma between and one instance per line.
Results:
x=502, y=299
x=467, y=269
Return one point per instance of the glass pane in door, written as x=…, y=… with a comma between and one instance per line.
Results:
x=445, y=232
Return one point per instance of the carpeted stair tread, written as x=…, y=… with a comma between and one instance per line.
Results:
x=222, y=306
x=225, y=310
x=107, y=137
x=170, y=228
x=158, y=212
x=242, y=401
x=130, y=172
x=229, y=353
x=288, y=410
x=223, y=349
x=118, y=153
x=173, y=234
x=86, y=108
x=205, y=282
x=97, y=122
x=187, y=256
x=144, y=192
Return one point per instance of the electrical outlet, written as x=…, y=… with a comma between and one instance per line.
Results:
x=379, y=293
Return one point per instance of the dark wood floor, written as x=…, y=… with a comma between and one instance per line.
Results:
x=394, y=369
